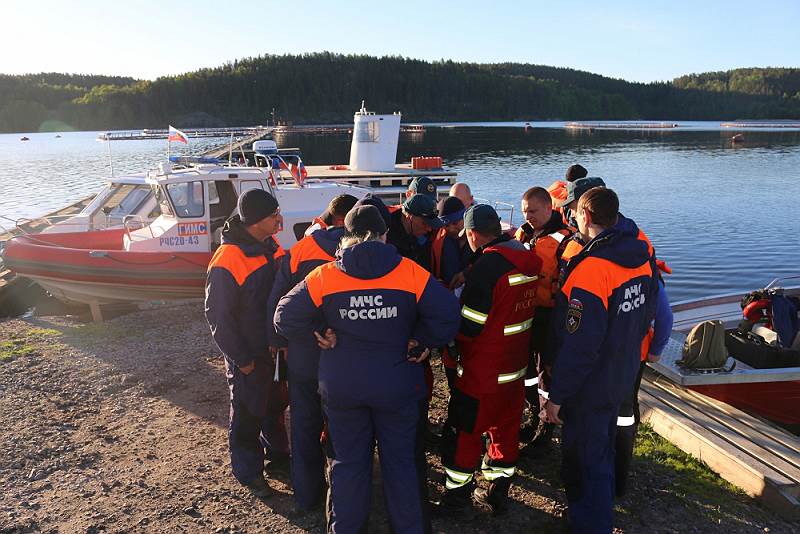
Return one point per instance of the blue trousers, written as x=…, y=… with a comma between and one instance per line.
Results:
x=399, y=431
x=256, y=420
x=588, y=466
x=308, y=459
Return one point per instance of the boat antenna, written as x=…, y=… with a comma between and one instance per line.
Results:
x=230, y=151
x=110, y=159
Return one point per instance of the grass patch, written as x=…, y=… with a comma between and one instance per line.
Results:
x=43, y=332
x=10, y=350
x=691, y=477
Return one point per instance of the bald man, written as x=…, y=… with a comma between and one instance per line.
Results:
x=461, y=191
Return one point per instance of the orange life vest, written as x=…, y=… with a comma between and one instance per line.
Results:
x=549, y=248
x=437, y=245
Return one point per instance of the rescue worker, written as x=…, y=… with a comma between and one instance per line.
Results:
x=308, y=459
x=558, y=189
x=574, y=191
x=449, y=251
x=605, y=304
x=629, y=416
x=417, y=218
x=422, y=185
x=493, y=342
x=547, y=235
x=333, y=215
x=450, y=254
x=239, y=281
x=462, y=192
x=385, y=311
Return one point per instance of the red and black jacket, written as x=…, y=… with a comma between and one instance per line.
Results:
x=497, y=308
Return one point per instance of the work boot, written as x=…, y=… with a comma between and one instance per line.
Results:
x=280, y=466
x=540, y=442
x=259, y=488
x=495, y=498
x=456, y=504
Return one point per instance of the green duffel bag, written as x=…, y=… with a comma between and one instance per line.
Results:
x=704, y=348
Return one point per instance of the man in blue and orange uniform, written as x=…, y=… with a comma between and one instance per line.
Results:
x=547, y=235
x=493, y=343
x=605, y=305
x=629, y=416
x=240, y=278
x=383, y=308
x=308, y=459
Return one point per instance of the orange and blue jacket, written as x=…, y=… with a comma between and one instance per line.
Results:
x=375, y=301
x=603, y=311
x=497, y=308
x=314, y=250
x=448, y=256
x=238, y=283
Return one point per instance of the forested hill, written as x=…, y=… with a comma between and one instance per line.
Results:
x=326, y=88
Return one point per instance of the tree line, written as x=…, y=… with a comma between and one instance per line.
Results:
x=328, y=88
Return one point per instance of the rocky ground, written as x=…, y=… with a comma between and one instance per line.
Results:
x=121, y=427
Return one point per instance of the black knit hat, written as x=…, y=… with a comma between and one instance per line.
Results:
x=362, y=220
x=256, y=205
x=451, y=210
x=576, y=171
x=371, y=200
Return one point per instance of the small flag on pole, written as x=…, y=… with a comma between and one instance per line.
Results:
x=177, y=136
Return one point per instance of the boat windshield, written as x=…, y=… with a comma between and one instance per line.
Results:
x=163, y=201
x=187, y=197
x=127, y=200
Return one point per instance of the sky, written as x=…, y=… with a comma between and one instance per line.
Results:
x=634, y=40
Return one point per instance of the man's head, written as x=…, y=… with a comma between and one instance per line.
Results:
x=420, y=215
x=364, y=221
x=260, y=213
x=481, y=225
x=597, y=210
x=451, y=212
x=371, y=200
x=422, y=185
x=576, y=171
x=337, y=209
x=537, y=206
x=462, y=192
x=579, y=187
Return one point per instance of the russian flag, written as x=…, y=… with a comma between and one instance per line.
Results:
x=177, y=136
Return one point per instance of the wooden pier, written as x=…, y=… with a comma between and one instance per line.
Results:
x=750, y=453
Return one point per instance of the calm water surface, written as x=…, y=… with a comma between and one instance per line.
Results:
x=726, y=218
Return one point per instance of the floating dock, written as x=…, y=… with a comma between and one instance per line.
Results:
x=760, y=124
x=620, y=125
x=237, y=131
x=750, y=453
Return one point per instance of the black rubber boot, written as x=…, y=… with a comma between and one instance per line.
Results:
x=495, y=498
x=623, y=455
x=456, y=504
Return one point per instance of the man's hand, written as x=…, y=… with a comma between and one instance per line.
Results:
x=247, y=369
x=653, y=358
x=550, y=413
x=458, y=280
x=327, y=342
x=417, y=355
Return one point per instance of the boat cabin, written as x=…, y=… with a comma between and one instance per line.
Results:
x=195, y=201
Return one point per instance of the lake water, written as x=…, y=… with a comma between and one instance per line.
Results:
x=725, y=217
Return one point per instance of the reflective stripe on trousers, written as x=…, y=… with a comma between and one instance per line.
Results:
x=491, y=473
x=456, y=479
